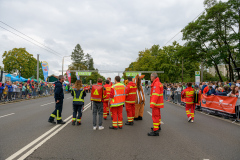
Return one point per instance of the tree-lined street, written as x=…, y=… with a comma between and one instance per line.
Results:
x=207, y=138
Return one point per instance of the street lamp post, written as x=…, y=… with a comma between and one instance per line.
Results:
x=63, y=62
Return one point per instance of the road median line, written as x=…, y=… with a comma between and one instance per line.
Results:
x=58, y=127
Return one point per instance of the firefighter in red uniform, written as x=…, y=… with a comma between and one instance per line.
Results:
x=109, y=109
x=188, y=94
x=117, y=99
x=106, y=96
x=130, y=92
x=156, y=102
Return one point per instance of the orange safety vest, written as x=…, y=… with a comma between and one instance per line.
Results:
x=97, y=93
x=119, y=95
x=107, y=92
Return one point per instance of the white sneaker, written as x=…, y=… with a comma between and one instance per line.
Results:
x=189, y=119
x=100, y=128
x=94, y=127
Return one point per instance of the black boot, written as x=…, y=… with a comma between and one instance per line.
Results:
x=139, y=118
x=61, y=122
x=52, y=121
x=73, y=123
x=129, y=123
x=79, y=123
x=135, y=119
x=111, y=127
x=154, y=133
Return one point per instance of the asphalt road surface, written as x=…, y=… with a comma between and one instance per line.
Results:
x=26, y=134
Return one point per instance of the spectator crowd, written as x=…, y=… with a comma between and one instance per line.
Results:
x=10, y=91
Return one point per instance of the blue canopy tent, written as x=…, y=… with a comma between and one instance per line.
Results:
x=21, y=79
x=8, y=75
x=14, y=79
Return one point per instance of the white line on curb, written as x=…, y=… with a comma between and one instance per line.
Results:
x=151, y=115
x=7, y=115
x=41, y=137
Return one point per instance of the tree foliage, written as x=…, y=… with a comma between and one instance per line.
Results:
x=19, y=60
x=215, y=36
x=82, y=61
x=168, y=59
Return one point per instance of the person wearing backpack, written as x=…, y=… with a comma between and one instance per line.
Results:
x=97, y=98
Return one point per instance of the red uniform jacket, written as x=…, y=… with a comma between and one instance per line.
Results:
x=188, y=94
x=156, y=96
x=107, y=91
x=130, y=92
x=206, y=89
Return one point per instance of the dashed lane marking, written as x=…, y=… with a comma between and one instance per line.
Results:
x=151, y=115
x=7, y=115
x=58, y=127
x=47, y=103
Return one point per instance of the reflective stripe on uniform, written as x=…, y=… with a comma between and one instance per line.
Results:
x=79, y=99
x=130, y=101
x=156, y=94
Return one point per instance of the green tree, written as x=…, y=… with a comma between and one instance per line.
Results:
x=78, y=57
x=19, y=60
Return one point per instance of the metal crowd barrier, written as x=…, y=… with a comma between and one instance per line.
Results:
x=7, y=96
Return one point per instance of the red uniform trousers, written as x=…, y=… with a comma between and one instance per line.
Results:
x=188, y=108
x=130, y=108
x=117, y=116
x=156, y=117
x=105, y=107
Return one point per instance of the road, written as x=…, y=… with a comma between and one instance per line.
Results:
x=26, y=134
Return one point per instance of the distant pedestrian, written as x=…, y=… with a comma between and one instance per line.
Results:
x=59, y=96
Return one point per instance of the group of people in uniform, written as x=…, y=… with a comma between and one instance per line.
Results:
x=111, y=98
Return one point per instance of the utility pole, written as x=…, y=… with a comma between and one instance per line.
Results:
x=37, y=68
x=182, y=69
x=62, y=65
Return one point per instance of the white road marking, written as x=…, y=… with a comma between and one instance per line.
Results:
x=47, y=103
x=205, y=159
x=67, y=120
x=7, y=115
x=151, y=115
x=69, y=97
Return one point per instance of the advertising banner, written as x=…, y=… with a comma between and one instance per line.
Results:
x=69, y=76
x=132, y=74
x=219, y=103
x=45, y=69
x=84, y=73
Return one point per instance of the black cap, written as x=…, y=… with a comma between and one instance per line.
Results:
x=196, y=86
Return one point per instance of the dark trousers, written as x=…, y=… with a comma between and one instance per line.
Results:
x=10, y=95
x=57, y=112
x=97, y=109
x=77, y=109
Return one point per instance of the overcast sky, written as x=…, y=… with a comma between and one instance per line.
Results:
x=112, y=31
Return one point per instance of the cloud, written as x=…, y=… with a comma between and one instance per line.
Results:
x=113, y=32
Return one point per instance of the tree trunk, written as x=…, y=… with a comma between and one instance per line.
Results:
x=216, y=67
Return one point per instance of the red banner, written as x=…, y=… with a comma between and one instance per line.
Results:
x=69, y=76
x=219, y=103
